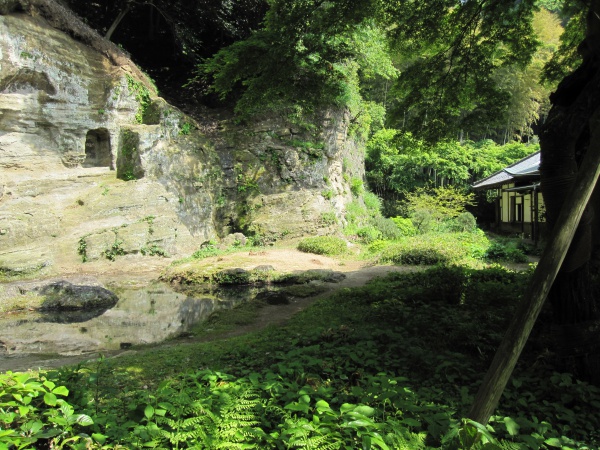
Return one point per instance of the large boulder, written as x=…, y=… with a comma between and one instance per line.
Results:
x=64, y=296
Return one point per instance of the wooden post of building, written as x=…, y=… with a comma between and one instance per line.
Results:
x=535, y=215
x=518, y=332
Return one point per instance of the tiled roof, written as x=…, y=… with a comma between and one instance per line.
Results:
x=527, y=167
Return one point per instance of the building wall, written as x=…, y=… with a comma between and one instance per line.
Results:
x=516, y=213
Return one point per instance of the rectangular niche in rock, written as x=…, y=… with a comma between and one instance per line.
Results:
x=129, y=163
x=97, y=149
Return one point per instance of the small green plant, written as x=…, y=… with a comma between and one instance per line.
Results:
x=116, y=93
x=323, y=245
x=307, y=145
x=150, y=221
x=101, y=112
x=153, y=250
x=186, y=128
x=207, y=250
x=246, y=184
x=356, y=186
x=82, y=249
x=275, y=158
x=346, y=165
x=328, y=194
x=328, y=218
x=116, y=249
x=128, y=158
x=26, y=55
x=142, y=95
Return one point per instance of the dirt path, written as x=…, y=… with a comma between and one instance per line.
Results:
x=357, y=273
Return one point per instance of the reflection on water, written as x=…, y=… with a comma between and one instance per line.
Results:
x=142, y=315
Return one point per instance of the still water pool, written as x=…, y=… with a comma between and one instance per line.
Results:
x=145, y=314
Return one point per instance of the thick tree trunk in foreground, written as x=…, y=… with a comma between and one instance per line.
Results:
x=565, y=139
x=522, y=323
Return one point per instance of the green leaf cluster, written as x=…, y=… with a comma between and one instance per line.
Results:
x=33, y=412
x=429, y=208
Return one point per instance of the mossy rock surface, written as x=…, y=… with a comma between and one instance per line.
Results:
x=64, y=296
x=194, y=272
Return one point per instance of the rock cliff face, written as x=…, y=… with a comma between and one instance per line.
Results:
x=94, y=164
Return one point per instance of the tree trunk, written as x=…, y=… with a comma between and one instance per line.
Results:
x=116, y=22
x=565, y=139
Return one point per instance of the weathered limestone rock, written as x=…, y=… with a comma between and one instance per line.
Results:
x=95, y=165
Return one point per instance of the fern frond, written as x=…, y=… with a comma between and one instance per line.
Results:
x=507, y=445
x=407, y=440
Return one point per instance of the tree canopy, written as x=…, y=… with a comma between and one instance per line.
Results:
x=447, y=67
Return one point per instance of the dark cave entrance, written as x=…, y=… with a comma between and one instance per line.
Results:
x=97, y=149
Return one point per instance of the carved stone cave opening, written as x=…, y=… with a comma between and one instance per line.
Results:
x=97, y=149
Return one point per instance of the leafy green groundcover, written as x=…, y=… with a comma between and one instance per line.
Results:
x=392, y=365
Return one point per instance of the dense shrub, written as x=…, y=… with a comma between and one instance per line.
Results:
x=414, y=255
x=405, y=226
x=505, y=251
x=436, y=248
x=387, y=227
x=372, y=203
x=368, y=234
x=323, y=245
x=423, y=221
x=465, y=221
x=378, y=246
